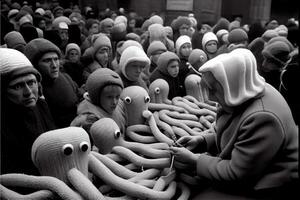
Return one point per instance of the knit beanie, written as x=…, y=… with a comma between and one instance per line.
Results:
x=25, y=19
x=133, y=36
x=269, y=34
x=130, y=54
x=118, y=32
x=36, y=48
x=180, y=21
x=156, y=32
x=237, y=74
x=101, y=41
x=183, y=39
x=209, y=36
x=20, y=14
x=237, y=36
x=222, y=23
x=282, y=39
x=15, y=40
x=233, y=25
x=197, y=55
x=164, y=59
x=156, y=46
x=72, y=46
x=146, y=25
x=57, y=151
x=12, y=13
x=59, y=21
x=221, y=33
x=40, y=11
x=121, y=19
x=155, y=19
x=277, y=51
x=98, y=80
x=13, y=64
x=282, y=30
x=106, y=22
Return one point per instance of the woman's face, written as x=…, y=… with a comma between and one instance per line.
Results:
x=216, y=92
x=109, y=98
x=73, y=55
x=173, y=68
x=134, y=69
x=184, y=29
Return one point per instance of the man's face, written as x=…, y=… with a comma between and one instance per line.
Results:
x=48, y=65
x=134, y=69
x=23, y=91
x=173, y=68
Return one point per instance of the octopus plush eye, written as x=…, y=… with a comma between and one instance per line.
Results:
x=117, y=134
x=84, y=146
x=127, y=100
x=67, y=149
x=157, y=90
x=147, y=99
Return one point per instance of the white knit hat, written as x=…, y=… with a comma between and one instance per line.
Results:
x=13, y=63
x=181, y=41
x=237, y=74
x=209, y=36
x=132, y=53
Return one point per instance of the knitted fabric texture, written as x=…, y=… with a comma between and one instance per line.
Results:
x=98, y=80
x=13, y=64
x=36, y=48
x=197, y=55
x=277, y=51
x=237, y=74
x=101, y=41
x=133, y=36
x=282, y=39
x=209, y=36
x=127, y=44
x=269, y=34
x=183, y=39
x=164, y=59
x=130, y=54
x=237, y=36
x=155, y=19
x=156, y=46
x=49, y=152
x=13, y=39
x=72, y=46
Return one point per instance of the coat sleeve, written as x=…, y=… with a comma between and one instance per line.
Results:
x=259, y=138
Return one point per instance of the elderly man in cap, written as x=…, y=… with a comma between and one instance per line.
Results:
x=24, y=114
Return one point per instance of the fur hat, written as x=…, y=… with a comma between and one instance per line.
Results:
x=13, y=64
x=209, y=36
x=130, y=54
x=98, y=80
x=180, y=21
x=277, y=51
x=197, y=55
x=164, y=59
x=72, y=46
x=183, y=39
x=237, y=74
x=237, y=36
x=15, y=40
x=156, y=46
x=36, y=48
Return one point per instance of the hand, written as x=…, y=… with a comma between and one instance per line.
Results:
x=190, y=142
x=184, y=157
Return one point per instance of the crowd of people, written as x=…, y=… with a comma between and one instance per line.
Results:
x=64, y=67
